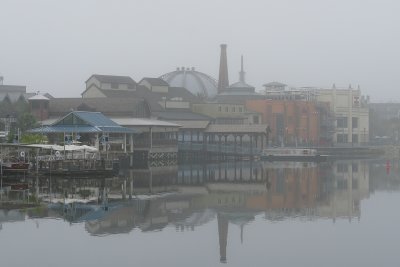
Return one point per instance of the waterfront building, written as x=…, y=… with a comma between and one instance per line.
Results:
x=226, y=113
x=150, y=140
x=155, y=91
x=384, y=123
x=91, y=128
x=294, y=122
x=351, y=112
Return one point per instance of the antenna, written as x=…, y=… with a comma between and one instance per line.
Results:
x=1, y=79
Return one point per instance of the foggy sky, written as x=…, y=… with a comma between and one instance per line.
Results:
x=54, y=46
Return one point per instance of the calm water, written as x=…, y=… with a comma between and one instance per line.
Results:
x=343, y=213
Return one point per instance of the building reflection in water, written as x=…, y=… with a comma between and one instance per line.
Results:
x=188, y=196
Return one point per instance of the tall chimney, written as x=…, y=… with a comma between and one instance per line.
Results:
x=223, y=81
x=241, y=73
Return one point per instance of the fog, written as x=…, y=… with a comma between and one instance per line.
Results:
x=54, y=46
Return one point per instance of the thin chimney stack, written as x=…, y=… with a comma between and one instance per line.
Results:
x=223, y=81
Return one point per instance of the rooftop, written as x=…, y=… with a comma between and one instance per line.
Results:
x=113, y=79
x=155, y=81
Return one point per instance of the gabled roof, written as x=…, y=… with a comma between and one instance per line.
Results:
x=84, y=122
x=113, y=79
x=120, y=105
x=155, y=81
x=38, y=97
x=153, y=98
x=143, y=122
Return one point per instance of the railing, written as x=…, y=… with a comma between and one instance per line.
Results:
x=224, y=149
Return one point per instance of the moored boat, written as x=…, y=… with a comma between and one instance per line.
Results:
x=292, y=154
x=14, y=165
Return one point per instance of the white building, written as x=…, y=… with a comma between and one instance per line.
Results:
x=351, y=113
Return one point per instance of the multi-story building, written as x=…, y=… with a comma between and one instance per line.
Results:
x=224, y=113
x=351, y=112
x=294, y=122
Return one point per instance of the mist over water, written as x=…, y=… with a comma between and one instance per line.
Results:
x=239, y=213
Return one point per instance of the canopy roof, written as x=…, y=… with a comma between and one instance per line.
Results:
x=84, y=122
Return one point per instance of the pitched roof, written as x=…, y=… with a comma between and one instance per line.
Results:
x=91, y=122
x=105, y=105
x=153, y=98
x=38, y=97
x=181, y=116
x=155, y=81
x=143, y=122
x=113, y=79
x=193, y=124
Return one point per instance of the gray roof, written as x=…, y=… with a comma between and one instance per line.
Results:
x=155, y=81
x=189, y=124
x=143, y=122
x=181, y=116
x=38, y=97
x=153, y=98
x=114, y=79
x=109, y=106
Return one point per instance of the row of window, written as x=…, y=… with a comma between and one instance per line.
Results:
x=233, y=109
x=343, y=138
x=342, y=122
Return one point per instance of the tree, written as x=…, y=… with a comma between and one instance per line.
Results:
x=26, y=121
x=33, y=139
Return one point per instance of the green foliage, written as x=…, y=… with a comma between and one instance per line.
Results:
x=26, y=121
x=33, y=139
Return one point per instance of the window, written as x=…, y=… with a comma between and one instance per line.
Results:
x=233, y=109
x=354, y=167
x=342, y=138
x=226, y=109
x=342, y=167
x=240, y=109
x=355, y=138
x=219, y=108
x=114, y=85
x=342, y=184
x=256, y=119
x=354, y=122
x=341, y=122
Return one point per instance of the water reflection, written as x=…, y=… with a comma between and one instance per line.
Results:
x=188, y=196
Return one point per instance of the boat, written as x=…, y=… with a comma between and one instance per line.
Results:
x=291, y=154
x=14, y=165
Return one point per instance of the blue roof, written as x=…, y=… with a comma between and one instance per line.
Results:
x=95, y=119
x=65, y=129
x=84, y=122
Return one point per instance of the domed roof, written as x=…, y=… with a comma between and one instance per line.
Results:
x=196, y=82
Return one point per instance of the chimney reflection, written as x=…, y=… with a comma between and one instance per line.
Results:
x=188, y=196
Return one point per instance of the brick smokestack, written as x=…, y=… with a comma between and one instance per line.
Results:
x=223, y=81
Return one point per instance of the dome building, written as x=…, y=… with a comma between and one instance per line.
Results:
x=196, y=82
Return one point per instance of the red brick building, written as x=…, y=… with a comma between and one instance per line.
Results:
x=294, y=121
